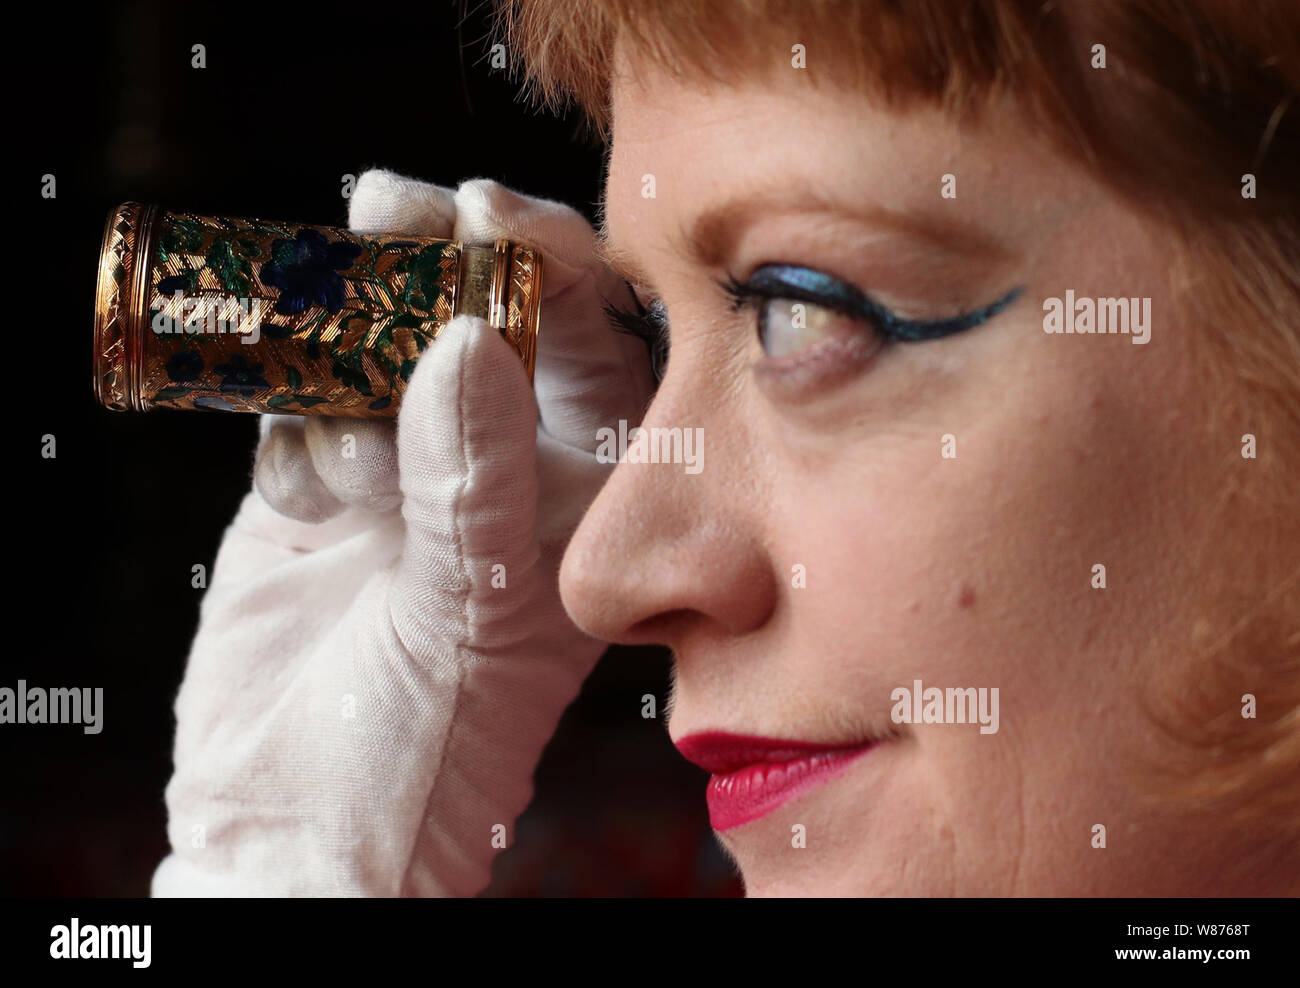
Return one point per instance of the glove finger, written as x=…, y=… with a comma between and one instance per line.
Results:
x=356, y=460
x=284, y=475
x=486, y=210
x=385, y=201
x=466, y=440
x=588, y=375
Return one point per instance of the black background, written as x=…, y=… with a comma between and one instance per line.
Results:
x=293, y=98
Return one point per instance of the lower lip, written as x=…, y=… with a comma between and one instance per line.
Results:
x=756, y=790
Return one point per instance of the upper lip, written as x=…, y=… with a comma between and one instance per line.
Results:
x=720, y=753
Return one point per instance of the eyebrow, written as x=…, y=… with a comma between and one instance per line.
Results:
x=712, y=237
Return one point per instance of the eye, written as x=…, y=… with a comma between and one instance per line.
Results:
x=796, y=308
x=787, y=325
x=649, y=323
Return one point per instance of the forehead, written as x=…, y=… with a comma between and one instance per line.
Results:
x=684, y=147
x=695, y=135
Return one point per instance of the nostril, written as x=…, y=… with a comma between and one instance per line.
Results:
x=661, y=628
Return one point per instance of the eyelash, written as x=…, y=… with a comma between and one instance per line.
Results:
x=650, y=324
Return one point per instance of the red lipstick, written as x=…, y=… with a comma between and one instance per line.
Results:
x=753, y=776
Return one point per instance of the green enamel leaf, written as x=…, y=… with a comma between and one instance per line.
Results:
x=423, y=270
x=180, y=235
x=234, y=272
x=294, y=378
x=347, y=369
x=387, y=360
x=283, y=253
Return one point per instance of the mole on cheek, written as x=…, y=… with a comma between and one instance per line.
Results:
x=965, y=596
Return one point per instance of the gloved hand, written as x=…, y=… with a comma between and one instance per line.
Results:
x=370, y=689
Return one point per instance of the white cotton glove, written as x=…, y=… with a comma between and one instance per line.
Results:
x=362, y=706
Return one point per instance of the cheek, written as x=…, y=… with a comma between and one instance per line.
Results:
x=964, y=536
x=976, y=570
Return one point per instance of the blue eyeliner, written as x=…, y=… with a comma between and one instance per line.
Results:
x=805, y=285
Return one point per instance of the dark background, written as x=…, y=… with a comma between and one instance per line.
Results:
x=294, y=96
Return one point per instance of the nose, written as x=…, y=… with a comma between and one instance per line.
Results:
x=662, y=551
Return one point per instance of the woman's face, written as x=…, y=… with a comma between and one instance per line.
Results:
x=865, y=516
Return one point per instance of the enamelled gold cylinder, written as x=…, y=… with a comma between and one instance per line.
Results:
x=250, y=315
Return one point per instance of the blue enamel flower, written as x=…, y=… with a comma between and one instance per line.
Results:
x=184, y=365
x=214, y=402
x=305, y=270
x=241, y=379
